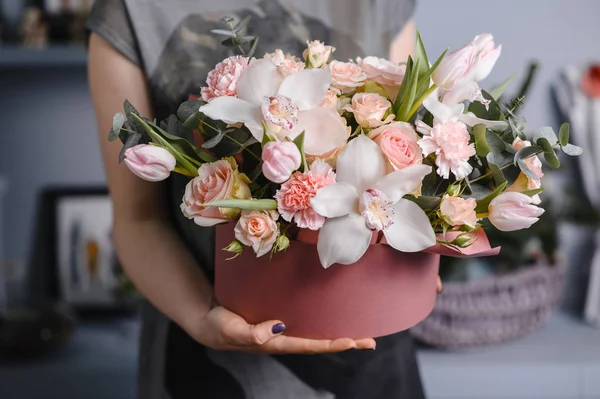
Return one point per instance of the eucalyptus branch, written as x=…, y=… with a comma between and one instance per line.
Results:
x=489, y=174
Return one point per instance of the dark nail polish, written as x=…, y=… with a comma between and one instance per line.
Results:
x=278, y=328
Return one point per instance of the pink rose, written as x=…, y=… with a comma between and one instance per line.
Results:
x=287, y=63
x=382, y=71
x=258, y=229
x=216, y=181
x=222, y=81
x=449, y=142
x=346, y=76
x=150, y=162
x=399, y=143
x=293, y=198
x=317, y=54
x=280, y=160
x=458, y=211
x=369, y=109
x=512, y=211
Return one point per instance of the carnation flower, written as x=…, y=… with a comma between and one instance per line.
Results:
x=222, y=81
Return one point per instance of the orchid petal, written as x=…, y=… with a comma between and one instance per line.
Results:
x=411, y=230
x=306, y=88
x=324, y=129
x=233, y=110
x=259, y=80
x=361, y=164
x=401, y=182
x=335, y=200
x=470, y=119
x=343, y=240
x=442, y=112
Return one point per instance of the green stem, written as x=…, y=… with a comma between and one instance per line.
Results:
x=419, y=102
x=235, y=36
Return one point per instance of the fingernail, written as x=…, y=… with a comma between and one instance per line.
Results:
x=278, y=328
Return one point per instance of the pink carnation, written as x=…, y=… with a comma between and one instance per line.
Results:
x=222, y=81
x=449, y=142
x=293, y=198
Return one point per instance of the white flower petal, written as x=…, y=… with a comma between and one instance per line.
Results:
x=471, y=120
x=306, y=88
x=343, y=240
x=336, y=200
x=442, y=112
x=325, y=130
x=233, y=110
x=261, y=79
x=361, y=164
x=411, y=230
x=401, y=182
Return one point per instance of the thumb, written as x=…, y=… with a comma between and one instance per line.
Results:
x=260, y=334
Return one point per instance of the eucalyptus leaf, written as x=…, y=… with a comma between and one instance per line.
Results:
x=189, y=114
x=497, y=91
x=572, y=150
x=522, y=155
x=213, y=142
x=132, y=141
x=547, y=133
x=495, y=143
x=135, y=124
x=242, y=24
x=117, y=124
x=253, y=45
x=223, y=32
x=478, y=192
x=425, y=202
x=518, y=126
x=481, y=145
x=549, y=154
x=227, y=20
x=497, y=174
x=483, y=205
x=245, y=205
x=233, y=142
x=299, y=141
x=491, y=112
x=183, y=146
x=237, y=41
x=563, y=134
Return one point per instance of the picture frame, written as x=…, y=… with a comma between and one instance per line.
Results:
x=75, y=232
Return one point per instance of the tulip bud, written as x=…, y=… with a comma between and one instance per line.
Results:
x=282, y=243
x=280, y=160
x=512, y=211
x=235, y=247
x=150, y=162
x=464, y=240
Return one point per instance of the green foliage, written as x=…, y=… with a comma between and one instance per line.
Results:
x=481, y=144
x=497, y=91
x=234, y=37
x=483, y=204
x=299, y=141
x=189, y=114
x=246, y=205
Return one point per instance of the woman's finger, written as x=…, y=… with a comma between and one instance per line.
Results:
x=440, y=287
x=238, y=333
x=292, y=345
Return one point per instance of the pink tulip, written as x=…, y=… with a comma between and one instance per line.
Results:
x=512, y=211
x=280, y=160
x=150, y=162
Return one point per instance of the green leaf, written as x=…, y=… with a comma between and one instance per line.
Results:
x=299, y=141
x=189, y=114
x=134, y=123
x=426, y=79
x=496, y=144
x=234, y=142
x=223, y=32
x=237, y=41
x=518, y=126
x=253, y=45
x=483, y=205
x=245, y=205
x=421, y=56
x=493, y=112
x=479, y=192
x=118, y=122
x=411, y=92
x=497, y=174
x=549, y=154
x=132, y=141
x=242, y=24
x=522, y=155
x=227, y=20
x=425, y=202
x=572, y=150
x=185, y=147
x=213, y=142
x=497, y=91
x=531, y=193
x=481, y=144
x=400, y=97
x=547, y=133
x=563, y=134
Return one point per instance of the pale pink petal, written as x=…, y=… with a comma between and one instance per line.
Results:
x=361, y=164
x=233, y=110
x=208, y=222
x=442, y=112
x=324, y=130
x=306, y=88
x=401, y=182
x=343, y=240
x=261, y=79
x=336, y=200
x=411, y=230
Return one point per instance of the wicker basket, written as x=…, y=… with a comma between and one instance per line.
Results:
x=493, y=310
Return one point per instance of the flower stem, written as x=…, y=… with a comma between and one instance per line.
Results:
x=502, y=168
x=419, y=102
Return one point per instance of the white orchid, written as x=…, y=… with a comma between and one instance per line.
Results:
x=365, y=200
x=288, y=106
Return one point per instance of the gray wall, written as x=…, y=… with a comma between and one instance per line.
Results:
x=48, y=137
x=48, y=130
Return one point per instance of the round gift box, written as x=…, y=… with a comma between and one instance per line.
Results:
x=385, y=292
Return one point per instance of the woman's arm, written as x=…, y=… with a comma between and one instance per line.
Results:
x=404, y=43
x=160, y=266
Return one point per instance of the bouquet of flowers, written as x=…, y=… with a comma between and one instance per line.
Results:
x=413, y=156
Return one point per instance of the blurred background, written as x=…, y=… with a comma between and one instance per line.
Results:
x=523, y=325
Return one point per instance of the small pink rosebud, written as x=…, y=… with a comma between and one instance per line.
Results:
x=512, y=211
x=150, y=162
x=280, y=160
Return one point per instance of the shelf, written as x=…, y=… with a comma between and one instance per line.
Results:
x=54, y=56
x=562, y=360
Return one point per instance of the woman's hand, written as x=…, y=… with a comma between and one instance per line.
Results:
x=222, y=329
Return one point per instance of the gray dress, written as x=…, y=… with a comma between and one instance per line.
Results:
x=170, y=41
